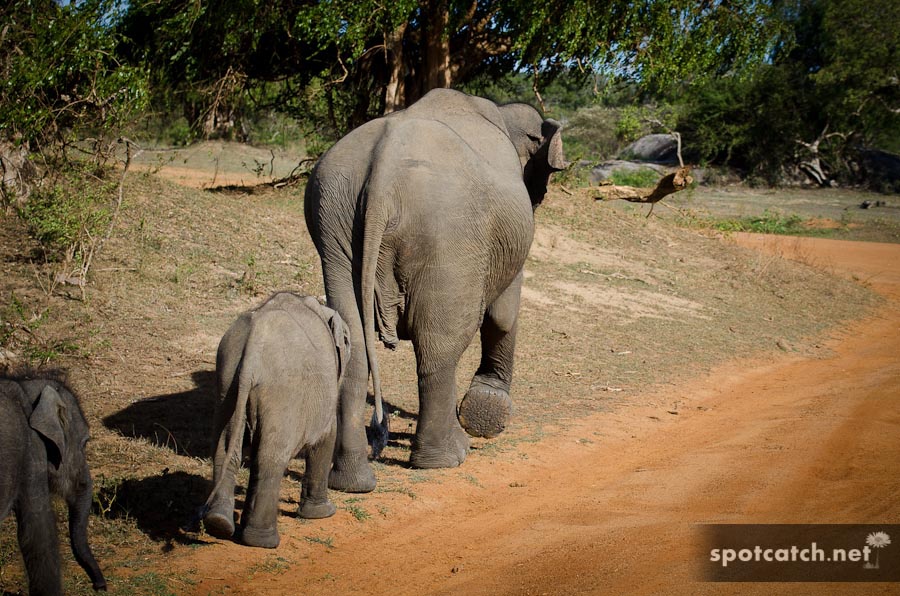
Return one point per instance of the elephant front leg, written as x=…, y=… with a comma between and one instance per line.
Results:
x=487, y=406
x=36, y=528
x=314, y=502
x=440, y=441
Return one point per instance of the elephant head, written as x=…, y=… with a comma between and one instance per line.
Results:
x=539, y=145
x=58, y=419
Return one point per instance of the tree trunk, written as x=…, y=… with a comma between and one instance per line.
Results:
x=672, y=183
x=395, y=91
x=437, y=46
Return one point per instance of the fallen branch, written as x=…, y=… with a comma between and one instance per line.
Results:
x=672, y=183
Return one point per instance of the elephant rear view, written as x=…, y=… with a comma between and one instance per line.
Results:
x=423, y=220
x=279, y=370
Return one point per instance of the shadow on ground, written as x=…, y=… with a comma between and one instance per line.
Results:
x=161, y=506
x=181, y=421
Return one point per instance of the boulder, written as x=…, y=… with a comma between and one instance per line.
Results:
x=655, y=148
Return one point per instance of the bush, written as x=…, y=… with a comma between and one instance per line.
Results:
x=60, y=73
x=69, y=215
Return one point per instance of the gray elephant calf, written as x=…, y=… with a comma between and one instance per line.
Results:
x=279, y=370
x=42, y=437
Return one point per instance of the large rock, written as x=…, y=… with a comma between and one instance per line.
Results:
x=657, y=148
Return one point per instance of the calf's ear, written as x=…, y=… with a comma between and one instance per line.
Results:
x=341, y=334
x=50, y=420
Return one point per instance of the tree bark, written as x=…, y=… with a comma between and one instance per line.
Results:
x=672, y=183
x=437, y=46
x=395, y=90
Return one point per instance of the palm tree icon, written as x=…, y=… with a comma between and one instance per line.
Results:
x=876, y=540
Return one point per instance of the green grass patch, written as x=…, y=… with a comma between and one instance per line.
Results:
x=640, y=178
x=767, y=223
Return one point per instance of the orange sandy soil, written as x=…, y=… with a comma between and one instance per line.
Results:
x=789, y=439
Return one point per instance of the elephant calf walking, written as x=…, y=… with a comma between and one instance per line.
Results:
x=279, y=370
x=42, y=437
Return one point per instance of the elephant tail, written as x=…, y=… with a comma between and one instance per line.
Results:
x=236, y=433
x=375, y=225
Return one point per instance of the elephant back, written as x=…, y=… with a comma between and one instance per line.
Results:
x=475, y=120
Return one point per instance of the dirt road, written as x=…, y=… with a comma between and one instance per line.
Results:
x=610, y=506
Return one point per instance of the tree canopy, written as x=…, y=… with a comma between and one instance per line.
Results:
x=830, y=91
x=371, y=57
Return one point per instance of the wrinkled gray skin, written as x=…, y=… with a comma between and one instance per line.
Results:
x=42, y=437
x=423, y=220
x=279, y=369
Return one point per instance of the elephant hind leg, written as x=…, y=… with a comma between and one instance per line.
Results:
x=439, y=442
x=314, y=502
x=259, y=521
x=487, y=407
x=219, y=519
x=485, y=410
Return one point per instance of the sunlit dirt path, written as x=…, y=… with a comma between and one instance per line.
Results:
x=610, y=505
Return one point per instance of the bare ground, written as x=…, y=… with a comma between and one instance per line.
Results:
x=664, y=377
x=609, y=505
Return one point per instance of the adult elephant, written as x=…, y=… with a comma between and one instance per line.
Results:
x=423, y=220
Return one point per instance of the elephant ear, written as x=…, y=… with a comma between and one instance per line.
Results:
x=341, y=334
x=49, y=419
x=552, y=140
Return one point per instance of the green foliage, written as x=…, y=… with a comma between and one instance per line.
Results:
x=351, y=53
x=67, y=216
x=20, y=333
x=600, y=132
x=830, y=89
x=591, y=133
x=640, y=178
x=629, y=127
x=61, y=77
x=767, y=223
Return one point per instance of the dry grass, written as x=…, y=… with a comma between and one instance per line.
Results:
x=614, y=302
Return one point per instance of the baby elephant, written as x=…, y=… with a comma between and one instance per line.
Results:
x=42, y=437
x=279, y=370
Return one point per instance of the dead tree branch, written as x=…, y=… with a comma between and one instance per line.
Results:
x=672, y=183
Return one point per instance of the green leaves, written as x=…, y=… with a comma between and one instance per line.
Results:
x=61, y=72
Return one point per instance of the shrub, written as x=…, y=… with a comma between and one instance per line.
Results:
x=69, y=215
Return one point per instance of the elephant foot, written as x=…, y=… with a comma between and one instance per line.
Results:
x=485, y=410
x=311, y=510
x=352, y=475
x=445, y=454
x=260, y=537
x=219, y=524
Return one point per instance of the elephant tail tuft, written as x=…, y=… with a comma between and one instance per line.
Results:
x=379, y=432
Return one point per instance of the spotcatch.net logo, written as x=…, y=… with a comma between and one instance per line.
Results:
x=801, y=553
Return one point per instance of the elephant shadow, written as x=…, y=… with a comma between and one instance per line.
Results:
x=180, y=421
x=164, y=507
